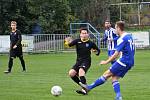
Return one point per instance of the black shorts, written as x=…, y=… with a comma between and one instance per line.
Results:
x=85, y=64
x=16, y=52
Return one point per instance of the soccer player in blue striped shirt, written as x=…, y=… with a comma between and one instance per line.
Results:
x=121, y=66
x=110, y=37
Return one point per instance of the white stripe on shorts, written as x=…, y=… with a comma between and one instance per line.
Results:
x=121, y=63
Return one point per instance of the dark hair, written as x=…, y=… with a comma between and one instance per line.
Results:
x=121, y=25
x=84, y=28
x=107, y=21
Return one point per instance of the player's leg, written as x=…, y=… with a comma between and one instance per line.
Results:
x=83, y=81
x=20, y=56
x=82, y=75
x=10, y=64
x=101, y=80
x=73, y=73
x=118, y=71
x=116, y=86
x=22, y=62
x=82, y=71
x=73, y=76
x=83, y=68
x=12, y=55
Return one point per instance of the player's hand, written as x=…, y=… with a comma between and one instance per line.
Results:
x=103, y=62
x=15, y=46
x=68, y=40
x=94, y=51
x=97, y=52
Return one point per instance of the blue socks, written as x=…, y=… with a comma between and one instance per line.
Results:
x=98, y=82
x=116, y=87
x=101, y=81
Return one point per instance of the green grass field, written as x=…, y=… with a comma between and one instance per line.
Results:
x=47, y=70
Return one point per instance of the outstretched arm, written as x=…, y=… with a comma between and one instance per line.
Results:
x=70, y=42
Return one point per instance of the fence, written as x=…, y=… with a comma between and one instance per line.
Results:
x=55, y=42
x=49, y=42
x=42, y=43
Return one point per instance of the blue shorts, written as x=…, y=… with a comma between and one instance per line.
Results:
x=119, y=70
x=111, y=52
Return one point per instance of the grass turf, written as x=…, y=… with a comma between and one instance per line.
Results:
x=47, y=70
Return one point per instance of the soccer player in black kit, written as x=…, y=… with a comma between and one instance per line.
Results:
x=15, y=47
x=83, y=61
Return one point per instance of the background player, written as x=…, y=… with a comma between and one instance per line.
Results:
x=110, y=37
x=83, y=61
x=15, y=47
x=121, y=66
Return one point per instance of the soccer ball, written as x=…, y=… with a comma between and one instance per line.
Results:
x=56, y=90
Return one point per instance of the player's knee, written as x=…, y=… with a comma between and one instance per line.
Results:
x=72, y=73
x=81, y=72
x=115, y=78
x=107, y=74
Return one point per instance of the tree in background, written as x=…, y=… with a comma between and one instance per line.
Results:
x=56, y=15
x=50, y=14
x=13, y=10
x=92, y=11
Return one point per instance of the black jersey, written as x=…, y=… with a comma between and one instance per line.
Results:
x=83, y=49
x=15, y=39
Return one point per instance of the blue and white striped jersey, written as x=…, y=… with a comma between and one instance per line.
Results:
x=111, y=37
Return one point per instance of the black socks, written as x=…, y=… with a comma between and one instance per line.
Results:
x=75, y=79
x=83, y=79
